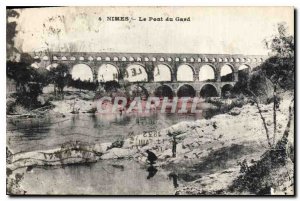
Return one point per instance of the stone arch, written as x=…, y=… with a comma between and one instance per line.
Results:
x=208, y=90
x=164, y=91
x=136, y=73
x=225, y=91
x=227, y=73
x=108, y=72
x=162, y=72
x=186, y=90
x=185, y=73
x=207, y=73
x=82, y=72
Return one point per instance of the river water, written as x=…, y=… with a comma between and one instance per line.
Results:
x=109, y=177
x=103, y=177
x=29, y=134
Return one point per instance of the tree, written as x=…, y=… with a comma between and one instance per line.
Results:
x=59, y=76
x=281, y=44
x=279, y=69
x=22, y=72
x=277, y=73
x=29, y=81
x=11, y=32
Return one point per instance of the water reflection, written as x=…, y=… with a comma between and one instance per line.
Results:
x=50, y=132
x=174, y=178
x=151, y=171
x=111, y=177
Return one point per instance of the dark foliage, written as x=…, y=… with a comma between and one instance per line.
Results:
x=280, y=71
x=60, y=77
x=11, y=32
x=86, y=85
x=29, y=81
x=241, y=85
x=111, y=86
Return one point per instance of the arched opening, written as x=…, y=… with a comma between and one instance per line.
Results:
x=185, y=73
x=186, y=91
x=108, y=73
x=82, y=72
x=162, y=73
x=136, y=73
x=208, y=90
x=227, y=73
x=207, y=74
x=163, y=91
x=226, y=91
x=138, y=91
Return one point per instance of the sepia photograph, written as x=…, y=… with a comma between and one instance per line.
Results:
x=195, y=101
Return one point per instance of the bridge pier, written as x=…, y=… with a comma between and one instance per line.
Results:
x=219, y=91
x=236, y=76
x=95, y=76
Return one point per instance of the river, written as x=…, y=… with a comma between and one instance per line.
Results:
x=103, y=177
x=108, y=177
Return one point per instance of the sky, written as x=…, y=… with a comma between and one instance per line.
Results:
x=211, y=30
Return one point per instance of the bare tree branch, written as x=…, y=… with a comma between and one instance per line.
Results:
x=261, y=116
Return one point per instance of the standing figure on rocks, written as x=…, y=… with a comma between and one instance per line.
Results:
x=151, y=157
x=174, y=144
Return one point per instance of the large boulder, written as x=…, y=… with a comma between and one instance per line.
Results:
x=235, y=111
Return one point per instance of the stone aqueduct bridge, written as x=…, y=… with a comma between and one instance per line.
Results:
x=148, y=61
